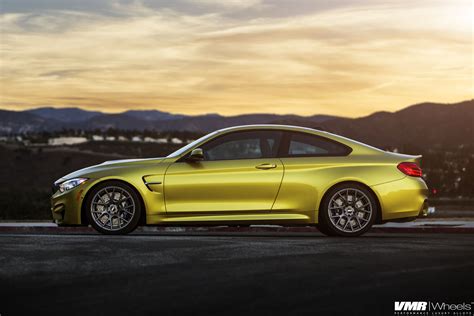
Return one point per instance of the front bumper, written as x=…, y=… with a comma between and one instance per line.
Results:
x=66, y=206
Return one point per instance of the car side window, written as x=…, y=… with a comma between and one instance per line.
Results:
x=308, y=145
x=243, y=145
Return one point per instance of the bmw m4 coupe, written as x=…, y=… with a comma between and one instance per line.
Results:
x=254, y=174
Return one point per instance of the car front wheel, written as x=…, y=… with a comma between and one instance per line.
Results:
x=347, y=210
x=113, y=207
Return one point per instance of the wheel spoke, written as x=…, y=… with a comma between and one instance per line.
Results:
x=99, y=203
x=366, y=204
x=100, y=212
x=360, y=199
x=112, y=196
x=101, y=198
x=344, y=228
x=124, y=199
x=126, y=221
x=125, y=211
x=342, y=196
x=108, y=220
x=120, y=196
x=102, y=215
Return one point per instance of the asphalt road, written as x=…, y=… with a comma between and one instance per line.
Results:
x=221, y=275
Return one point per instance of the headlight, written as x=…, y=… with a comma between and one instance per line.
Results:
x=70, y=184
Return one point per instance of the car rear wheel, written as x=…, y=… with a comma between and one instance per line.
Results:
x=347, y=210
x=113, y=207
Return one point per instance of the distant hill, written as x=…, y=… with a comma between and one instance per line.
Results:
x=64, y=114
x=51, y=119
x=419, y=125
x=207, y=123
x=153, y=115
x=12, y=122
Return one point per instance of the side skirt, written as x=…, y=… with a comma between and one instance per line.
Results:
x=230, y=219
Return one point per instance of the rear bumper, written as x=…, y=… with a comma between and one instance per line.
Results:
x=424, y=210
x=404, y=198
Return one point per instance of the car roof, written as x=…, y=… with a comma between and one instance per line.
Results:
x=269, y=126
x=280, y=127
x=355, y=145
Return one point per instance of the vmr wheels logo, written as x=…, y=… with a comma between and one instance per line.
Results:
x=411, y=306
x=432, y=308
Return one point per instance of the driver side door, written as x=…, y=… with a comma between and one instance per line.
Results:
x=239, y=173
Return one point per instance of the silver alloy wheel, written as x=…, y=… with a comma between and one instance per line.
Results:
x=350, y=210
x=112, y=208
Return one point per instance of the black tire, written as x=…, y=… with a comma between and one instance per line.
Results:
x=122, y=208
x=361, y=217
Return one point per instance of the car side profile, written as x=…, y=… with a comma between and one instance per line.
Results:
x=251, y=174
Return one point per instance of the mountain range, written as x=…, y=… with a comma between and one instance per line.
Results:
x=424, y=124
x=53, y=119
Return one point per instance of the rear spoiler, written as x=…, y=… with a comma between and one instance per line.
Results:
x=417, y=159
x=406, y=158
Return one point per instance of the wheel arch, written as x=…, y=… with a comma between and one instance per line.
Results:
x=142, y=220
x=378, y=218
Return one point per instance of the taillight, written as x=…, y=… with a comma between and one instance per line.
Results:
x=410, y=169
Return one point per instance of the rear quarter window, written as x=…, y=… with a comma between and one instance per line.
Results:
x=308, y=145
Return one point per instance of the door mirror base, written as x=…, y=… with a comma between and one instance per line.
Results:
x=196, y=155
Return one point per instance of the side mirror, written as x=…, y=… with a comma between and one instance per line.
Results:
x=196, y=155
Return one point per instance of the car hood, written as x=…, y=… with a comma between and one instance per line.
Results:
x=110, y=165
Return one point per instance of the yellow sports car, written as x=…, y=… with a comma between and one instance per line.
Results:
x=248, y=175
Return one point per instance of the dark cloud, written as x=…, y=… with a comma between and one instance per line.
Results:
x=233, y=9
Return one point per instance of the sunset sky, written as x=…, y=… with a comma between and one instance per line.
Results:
x=340, y=57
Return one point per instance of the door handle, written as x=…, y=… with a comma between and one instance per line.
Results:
x=265, y=166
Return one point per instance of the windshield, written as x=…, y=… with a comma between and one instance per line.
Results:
x=184, y=149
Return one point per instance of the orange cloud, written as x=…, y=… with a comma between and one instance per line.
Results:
x=345, y=61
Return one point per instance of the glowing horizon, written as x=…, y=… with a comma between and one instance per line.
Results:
x=345, y=58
